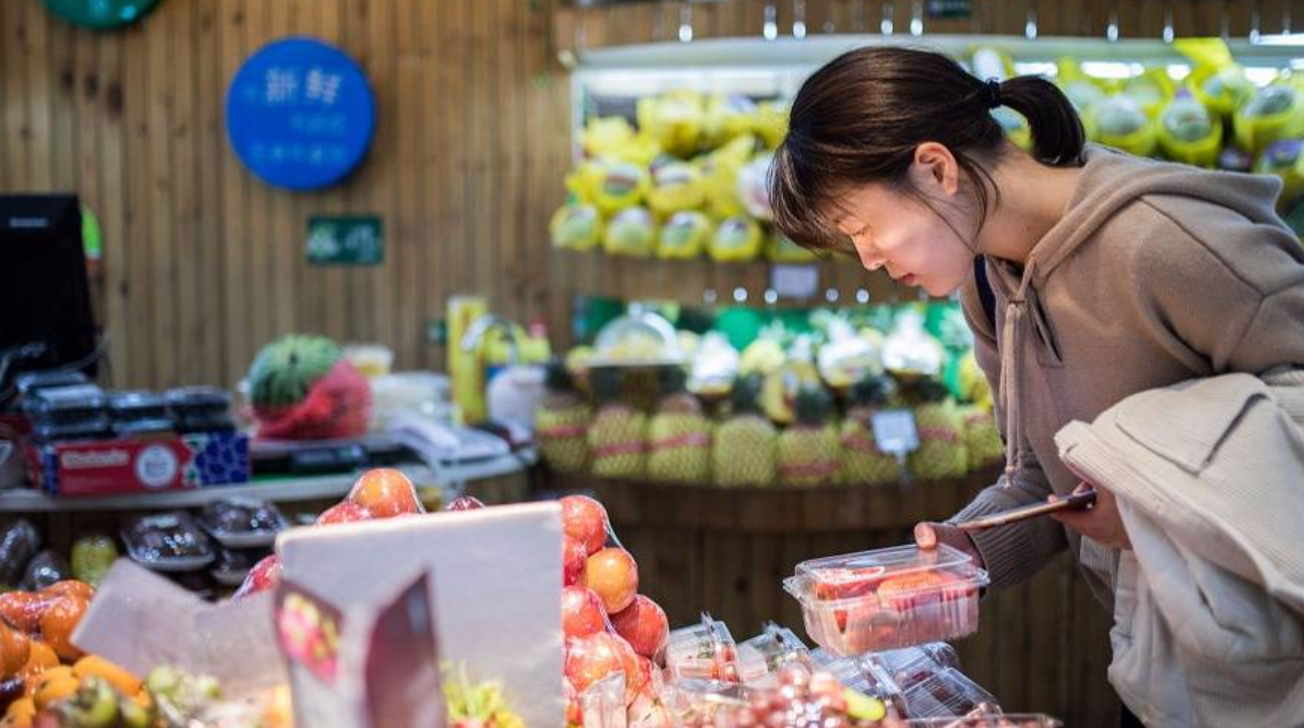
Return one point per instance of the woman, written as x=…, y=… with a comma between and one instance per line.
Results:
x=1086, y=275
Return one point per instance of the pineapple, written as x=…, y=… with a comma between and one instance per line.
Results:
x=618, y=433
x=941, y=452
x=862, y=462
x=679, y=435
x=809, y=452
x=744, y=446
x=561, y=422
x=982, y=439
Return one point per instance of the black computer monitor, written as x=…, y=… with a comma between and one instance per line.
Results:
x=45, y=301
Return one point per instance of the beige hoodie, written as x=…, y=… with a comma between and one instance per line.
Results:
x=1158, y=273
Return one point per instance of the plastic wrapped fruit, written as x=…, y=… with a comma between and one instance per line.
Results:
x=643, y=624
x=168, y=542
x=684, y=236
x=385, y=493
x=704, y=651
x=753, y=186
x=631, y=232
x=1221, y=89
x=1120, y=121
x=597, y=656
x=15, y=648
x=45, y=569
x=242, y=523
x=612, y=573
x=576, y=226
x=1188, y=132
x=879, y=600
x=674, y=120
x=622, y=185
x=582, y=612
x=728, y=116
x=60, y=621
x=1152, y=89
x=585, y=520
x=606, y=135
x=19, y=542
x=675, y=186
x=92, y=557
x=782, y=249
x=265, y=575
x=761, y=658
x=1275, y=113
x=1284, y=159
x=737, y=239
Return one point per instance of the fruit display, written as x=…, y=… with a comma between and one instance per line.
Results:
x=302, y=387
x=941, y=453
x=46, y=568
x=561, y=422
x=746, y=444
x=242, y=523
x=803, y=699
x=617, y=436
x=862, y=461
x=809, y=453
x=761, y=658
x=168, y=542
x=19, y=542
x=705, y=651
x=879, y=600
x=679, y=434
x=476, y=705
x=92, y=557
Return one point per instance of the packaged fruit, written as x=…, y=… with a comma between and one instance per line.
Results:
x=265, y=575
x=582, y=612
x=45, y=569
x=60, y=621
x=704, y=651
x=674, y=119
x=233, y=565
x=909, y=666
x=168, y=542
x=19, y=542
x=612, y=573
x=594, y=657
x=762, y=657
x=92, y=557
x=1004, y=720
x=240, y=523
x=585, y=520
x=684, y=236
x=632, y=232
x=644, y=626
x=621, y=186
x=1275, y=113
x=890, y=598
x=675, y=186
x=948, y=692
x=575, y=226
x=385, y=493
x=1188, y=133
x=139, y=412
x=1121, y=122
x=738, y=238
x=701, y=702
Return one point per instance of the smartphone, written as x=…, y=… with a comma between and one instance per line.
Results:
x=1076, y=501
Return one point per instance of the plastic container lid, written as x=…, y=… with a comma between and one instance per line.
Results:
x=890, y=598
x=761, y=657
x=138, y=404
x=168, y=542
x=129, y=428
x=638, y=338
x=65, y=401
x=691, y=698
x=949, y=692
x=198, y=399
x=239, y=523
x=911, y=665
x=95, y=427
x=1006, y=720
x=29, y=382
x=862, y=676
x=703, y=651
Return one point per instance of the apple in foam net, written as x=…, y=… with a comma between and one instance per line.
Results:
x=385, y=493
x=573, y=559
x=613, y=574
x=585, y=520
x=592, y=658
x=464, y=503
x=345, y=512
x=644, y=625
x=582, y=612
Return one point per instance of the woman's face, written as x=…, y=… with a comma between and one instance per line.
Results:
x=910, y=236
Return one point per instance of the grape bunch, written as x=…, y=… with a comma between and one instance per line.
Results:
x=805, y=700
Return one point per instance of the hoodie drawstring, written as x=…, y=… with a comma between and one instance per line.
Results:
x=1011, y=347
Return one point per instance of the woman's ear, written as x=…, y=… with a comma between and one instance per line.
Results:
x=934, y=168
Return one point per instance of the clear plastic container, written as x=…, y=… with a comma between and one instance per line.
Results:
x=638, y=338
x=240, y=523
x=29, y=382
x=862, y=676
x=168, y=542
x=761, y=657
x=67, y=405
x=200, y=409
x=1007, y=720
x=948, y=692
x=95, y=427
x=886, y=599
x=703, y=651
x=233, y=565
x=911, y=665
x=698, y=701
x=137, y=406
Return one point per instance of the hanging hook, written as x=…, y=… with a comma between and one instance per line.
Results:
x=885, y=25
x=1111, y=30
x=1030, y=25
x=917, y=18
x=1254, y=35
x=799, y=19
x=686, y=22
x=1169, y=33
x=771, y=28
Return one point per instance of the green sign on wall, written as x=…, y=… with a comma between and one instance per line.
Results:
x=100, y=14
x=345, y=240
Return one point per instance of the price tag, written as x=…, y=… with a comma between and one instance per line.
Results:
x=346, y=240
x=895, y=431
x=795, y=281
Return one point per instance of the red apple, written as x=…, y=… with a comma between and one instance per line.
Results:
x=264, y=576
x=613, y=574
x=573, y=558
x=386, y=493
x=582, y=613
x=591, y=658
x=644, y=625
x=465, y=503
x=343, y=512
x=585, y=520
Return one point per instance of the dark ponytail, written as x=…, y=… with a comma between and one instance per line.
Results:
x=859, y=119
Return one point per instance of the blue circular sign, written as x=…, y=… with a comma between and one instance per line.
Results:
x=300, y=114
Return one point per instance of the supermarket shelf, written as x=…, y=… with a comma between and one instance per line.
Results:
x=322, y=487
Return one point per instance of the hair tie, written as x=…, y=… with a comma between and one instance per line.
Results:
x=993, y=88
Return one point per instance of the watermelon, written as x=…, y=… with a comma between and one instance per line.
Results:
x=285, y=369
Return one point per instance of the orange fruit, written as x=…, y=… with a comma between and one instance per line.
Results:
x=51, y=689
x=15, y=648
x=121, y=680
x=24, y=609
x=70, y=587
x=58, y=624
x=385, y=493
x=39, y=659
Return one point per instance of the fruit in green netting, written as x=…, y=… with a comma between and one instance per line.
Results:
x=744, y=447
x=618, y=433
x=982, y=438
x=676, y=186
x=575, y=226
x=684, y=236
x=862, y=462
x=561, y=422
x=622, y=185
x=738, y=238
x=809, y=453
x=679, y=435
x=941, y=452
x=1275, y=113
x=285, y=369
x=754, y=188
x=1120, y=120
x=92, y=557
x=1188, y=132
x=631, y=232
x=1283, y=159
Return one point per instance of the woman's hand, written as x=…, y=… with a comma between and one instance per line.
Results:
x=928, y=535
x=1100, y=523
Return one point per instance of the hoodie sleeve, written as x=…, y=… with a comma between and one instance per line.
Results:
x=1015, y=553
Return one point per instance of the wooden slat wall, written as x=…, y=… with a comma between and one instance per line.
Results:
x=204, y=263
